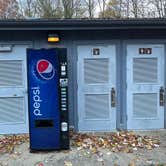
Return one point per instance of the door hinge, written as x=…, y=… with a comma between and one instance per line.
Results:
x=126, y=117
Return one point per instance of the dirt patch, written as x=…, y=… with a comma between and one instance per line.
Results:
x=84, y=157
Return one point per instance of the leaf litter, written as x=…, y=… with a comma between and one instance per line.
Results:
x=124, y=141
x=8, y=142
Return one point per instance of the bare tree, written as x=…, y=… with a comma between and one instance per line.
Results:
x=125, y=8
x=79, y=9
x=52, y=8
x=160, y=6
x=139, y=8
x=68, y=6
x=113, y=9
x=45, y=8
x=102, y=6
x=134, y=4
x=9, y=9
x=89, y=8
x=90, y=5
x=73, y=8
x=28, y=8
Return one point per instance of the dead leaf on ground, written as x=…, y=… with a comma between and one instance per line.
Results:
x=8, y=143
x=67, y=163
x=121, y=141
x=132, y=163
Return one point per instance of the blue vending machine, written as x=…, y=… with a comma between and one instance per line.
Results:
x=47, y=93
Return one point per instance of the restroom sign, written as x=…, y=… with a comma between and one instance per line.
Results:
x=145, y=50
x=96, y=51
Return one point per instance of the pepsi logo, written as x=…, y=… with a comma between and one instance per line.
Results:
x=45, y=69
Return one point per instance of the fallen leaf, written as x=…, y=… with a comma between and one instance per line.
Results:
x=8, y=143
x=67, y=163
x=132, y=163
x=119, y=141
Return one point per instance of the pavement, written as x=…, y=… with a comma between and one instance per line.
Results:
x=83, y=157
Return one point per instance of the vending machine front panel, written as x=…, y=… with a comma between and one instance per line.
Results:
x=43, y=89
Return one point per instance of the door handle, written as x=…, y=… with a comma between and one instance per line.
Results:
x=113, y=97
x=161, y=95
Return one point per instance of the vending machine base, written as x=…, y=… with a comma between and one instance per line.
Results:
x=48, y=99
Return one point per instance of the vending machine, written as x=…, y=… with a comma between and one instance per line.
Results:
x=48, y=99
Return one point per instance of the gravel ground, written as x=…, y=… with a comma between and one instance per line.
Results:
x=75, y=157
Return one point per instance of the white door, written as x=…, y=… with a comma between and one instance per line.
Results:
x=13, y=91
x=96, y=78
x=145, y=85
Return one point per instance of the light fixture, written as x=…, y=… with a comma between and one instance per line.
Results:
x=53, y=38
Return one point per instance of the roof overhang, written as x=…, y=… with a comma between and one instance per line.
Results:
x=82, y=24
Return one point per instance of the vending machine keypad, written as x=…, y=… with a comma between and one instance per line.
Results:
x=63, y=84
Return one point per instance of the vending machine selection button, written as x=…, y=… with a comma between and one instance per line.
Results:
x=63, y=89
x=63, y=82
x=63, y=73
x=63, y=68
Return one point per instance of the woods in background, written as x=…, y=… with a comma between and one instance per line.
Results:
x=15, y=9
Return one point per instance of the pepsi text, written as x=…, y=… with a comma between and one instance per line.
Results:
x=36, y=101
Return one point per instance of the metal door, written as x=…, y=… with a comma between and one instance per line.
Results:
x=96, y=85
x=145, y=86
x=13, y=90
